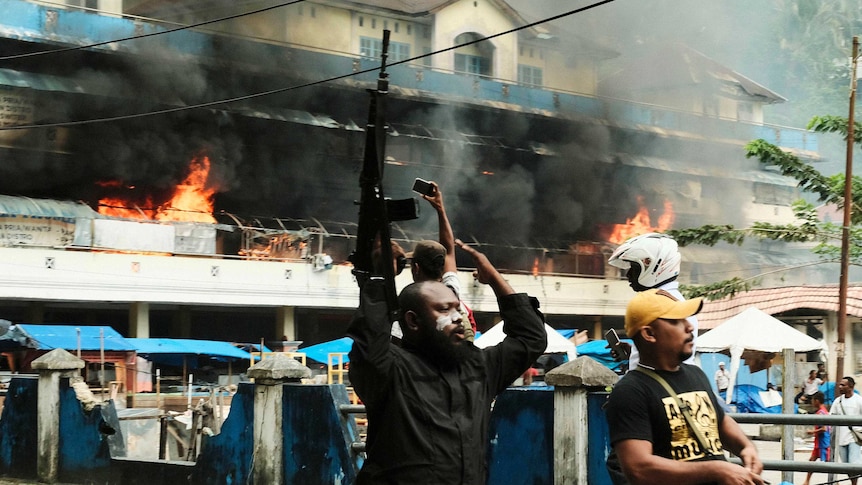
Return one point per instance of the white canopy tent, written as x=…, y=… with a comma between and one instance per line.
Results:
x=557, y=344
x=757, y=331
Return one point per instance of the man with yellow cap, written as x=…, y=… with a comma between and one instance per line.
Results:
x=679, y=437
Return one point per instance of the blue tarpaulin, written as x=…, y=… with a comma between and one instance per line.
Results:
x=747, y=400
x=596, y=349
x=171, y=351
x=320, y=352
x=50, y=337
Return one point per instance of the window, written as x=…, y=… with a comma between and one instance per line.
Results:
x=427, y=59
x=473, y=59
x=385, y=25
x=426, y=31
x=472, y=64
x=313, y=12
x=409, y=29
x=373, y=23
x=396, y=27
x=361, y=20
x=529, y=75
x=373, y=48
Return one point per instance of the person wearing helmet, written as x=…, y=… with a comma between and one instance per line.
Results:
x=651, y=260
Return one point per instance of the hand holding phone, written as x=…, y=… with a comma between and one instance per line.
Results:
x=621, y=350
x=423, y=187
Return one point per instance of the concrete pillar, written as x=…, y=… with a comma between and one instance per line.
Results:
x=270, y=375
x=139, y=319
x=572, y=381
x=598, y=332
x=52, y=366
x=183, y=322
x=285, y=323
x=36, y=312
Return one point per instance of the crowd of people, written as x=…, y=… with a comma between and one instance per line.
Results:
x=428, y=390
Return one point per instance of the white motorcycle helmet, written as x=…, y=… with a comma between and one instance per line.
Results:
x=656, y=255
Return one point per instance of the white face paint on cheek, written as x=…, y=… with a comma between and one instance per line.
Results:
x=443, y=321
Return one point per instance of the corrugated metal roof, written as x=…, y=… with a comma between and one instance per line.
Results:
x=42, y=82
x=778, y=300
x=26, y=206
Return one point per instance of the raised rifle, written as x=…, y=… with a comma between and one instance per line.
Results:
x=375, y=210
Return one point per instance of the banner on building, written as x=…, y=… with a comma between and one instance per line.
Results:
x=21, y=230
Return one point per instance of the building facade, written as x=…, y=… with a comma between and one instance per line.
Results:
x=541, y=163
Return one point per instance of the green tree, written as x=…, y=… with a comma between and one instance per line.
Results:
x=808, y=228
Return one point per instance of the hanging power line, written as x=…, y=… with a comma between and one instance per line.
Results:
x=221, y=102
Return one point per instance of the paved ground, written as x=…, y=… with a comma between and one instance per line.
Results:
x=771, y=450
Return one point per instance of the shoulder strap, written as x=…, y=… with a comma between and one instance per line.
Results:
x=686, y=410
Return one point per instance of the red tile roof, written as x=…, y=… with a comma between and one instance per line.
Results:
x=778, y=300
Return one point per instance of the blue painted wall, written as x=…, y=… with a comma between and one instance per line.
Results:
x=18, y=429
x=315, y=450
x=521, y=447
x=86, y=438
x=599, y=437
x=521, y=430
x=226, y=458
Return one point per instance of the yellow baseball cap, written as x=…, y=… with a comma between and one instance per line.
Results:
x=649, y=305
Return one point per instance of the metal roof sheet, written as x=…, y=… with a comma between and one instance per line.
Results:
x=26, y=206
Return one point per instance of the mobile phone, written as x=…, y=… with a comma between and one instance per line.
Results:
x=614, y=341
x=423, y=187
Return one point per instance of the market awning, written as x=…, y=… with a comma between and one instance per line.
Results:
x=172, y=351
x=320, y=352
x=67, y=337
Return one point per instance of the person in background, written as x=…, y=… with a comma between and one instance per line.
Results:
x=809, y=387
x=651, y=260
x=847, y=403
x=822, y=436
x=429, y=400
x=654, y=443
x=821, y=372
x=435, y=261
x=722, y=380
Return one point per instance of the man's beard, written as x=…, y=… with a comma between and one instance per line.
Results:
x=445, y=352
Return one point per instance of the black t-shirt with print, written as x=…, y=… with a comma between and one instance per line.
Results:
x=640, y=408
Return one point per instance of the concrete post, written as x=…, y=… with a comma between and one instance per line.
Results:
x=139, y=319
x=269, y=376
x=572, y=381
x=787, y=407
x=285, y=323
x=52, y=366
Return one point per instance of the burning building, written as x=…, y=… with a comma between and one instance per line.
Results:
x=247, y=134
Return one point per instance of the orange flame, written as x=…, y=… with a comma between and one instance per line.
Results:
x=641, y=224
x=192, y=200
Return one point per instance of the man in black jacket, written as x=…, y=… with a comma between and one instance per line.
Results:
x=429, y=400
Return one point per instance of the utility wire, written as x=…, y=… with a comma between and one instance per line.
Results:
x=220, y=102
x=151, y=34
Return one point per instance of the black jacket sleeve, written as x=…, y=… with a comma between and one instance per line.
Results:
x=370, y=357
x=526, y=340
